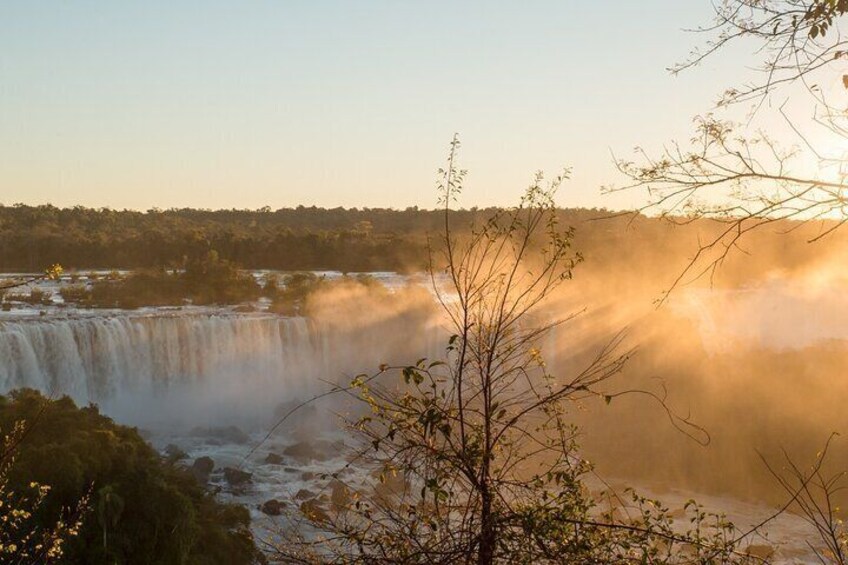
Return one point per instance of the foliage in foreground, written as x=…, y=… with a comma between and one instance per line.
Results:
x=24, y=538
x=475, y=456
x=143, y=510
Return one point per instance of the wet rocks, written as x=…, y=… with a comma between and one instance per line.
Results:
x=272, y=507
x=174, y=453
x=306, y=451
x=202, y=468
x=339, y=494
x=274, y=459
x=304, y=494
x=313, y=511
x=236, y=477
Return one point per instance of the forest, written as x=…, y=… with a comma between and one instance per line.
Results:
x=347, y=240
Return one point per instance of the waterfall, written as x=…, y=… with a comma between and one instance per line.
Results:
x=183, y=368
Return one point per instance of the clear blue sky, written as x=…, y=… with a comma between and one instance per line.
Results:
x=336, y=103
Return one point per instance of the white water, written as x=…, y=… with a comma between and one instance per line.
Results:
x=167, y=370
x=778, y=314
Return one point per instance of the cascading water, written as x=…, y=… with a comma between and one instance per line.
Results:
x=167, y=370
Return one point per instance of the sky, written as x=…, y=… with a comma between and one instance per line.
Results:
x=279, y=103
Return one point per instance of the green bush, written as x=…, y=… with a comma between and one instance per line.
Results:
x=143, y=288
x=293, y=298
x=77, y=293
x=290, y=300
x=144, y=510
x=212, y=280
x=206, y=280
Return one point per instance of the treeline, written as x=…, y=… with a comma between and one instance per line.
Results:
x=293, y=239
x=363, y=239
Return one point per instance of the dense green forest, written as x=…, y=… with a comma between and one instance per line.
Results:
x=287, y=239
x=142, y=508
x=361, y=240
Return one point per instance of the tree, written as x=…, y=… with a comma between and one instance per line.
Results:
x=110, y=506
x=24, y=538
x=473, y=455
x=144, y=510
x=744, y=179
x=797, y=38
x=812, y=493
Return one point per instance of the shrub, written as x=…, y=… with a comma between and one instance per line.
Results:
x=77, y=293
x=145, y=510
x=209, y=280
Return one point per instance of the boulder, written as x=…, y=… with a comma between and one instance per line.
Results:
x=272, y=507
x=274, y=459
x=313, y=511
x=202, y=468
x=174, y=453
x=305, y=451
x=339, y=495
x=307, y=476
x=304, y=494
x=236, y=477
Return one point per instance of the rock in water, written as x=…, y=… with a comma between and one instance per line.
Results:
x=274, y=459
x=174, y=453
x=236, y=477
x=272, y=507
x=202, y=468
x=313, y=511
x=305, y=451
x=340, y=495
x=304, y=494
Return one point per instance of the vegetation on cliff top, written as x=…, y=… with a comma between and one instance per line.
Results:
x=142, y=509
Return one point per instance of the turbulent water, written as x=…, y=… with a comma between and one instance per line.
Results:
x=166, y=369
